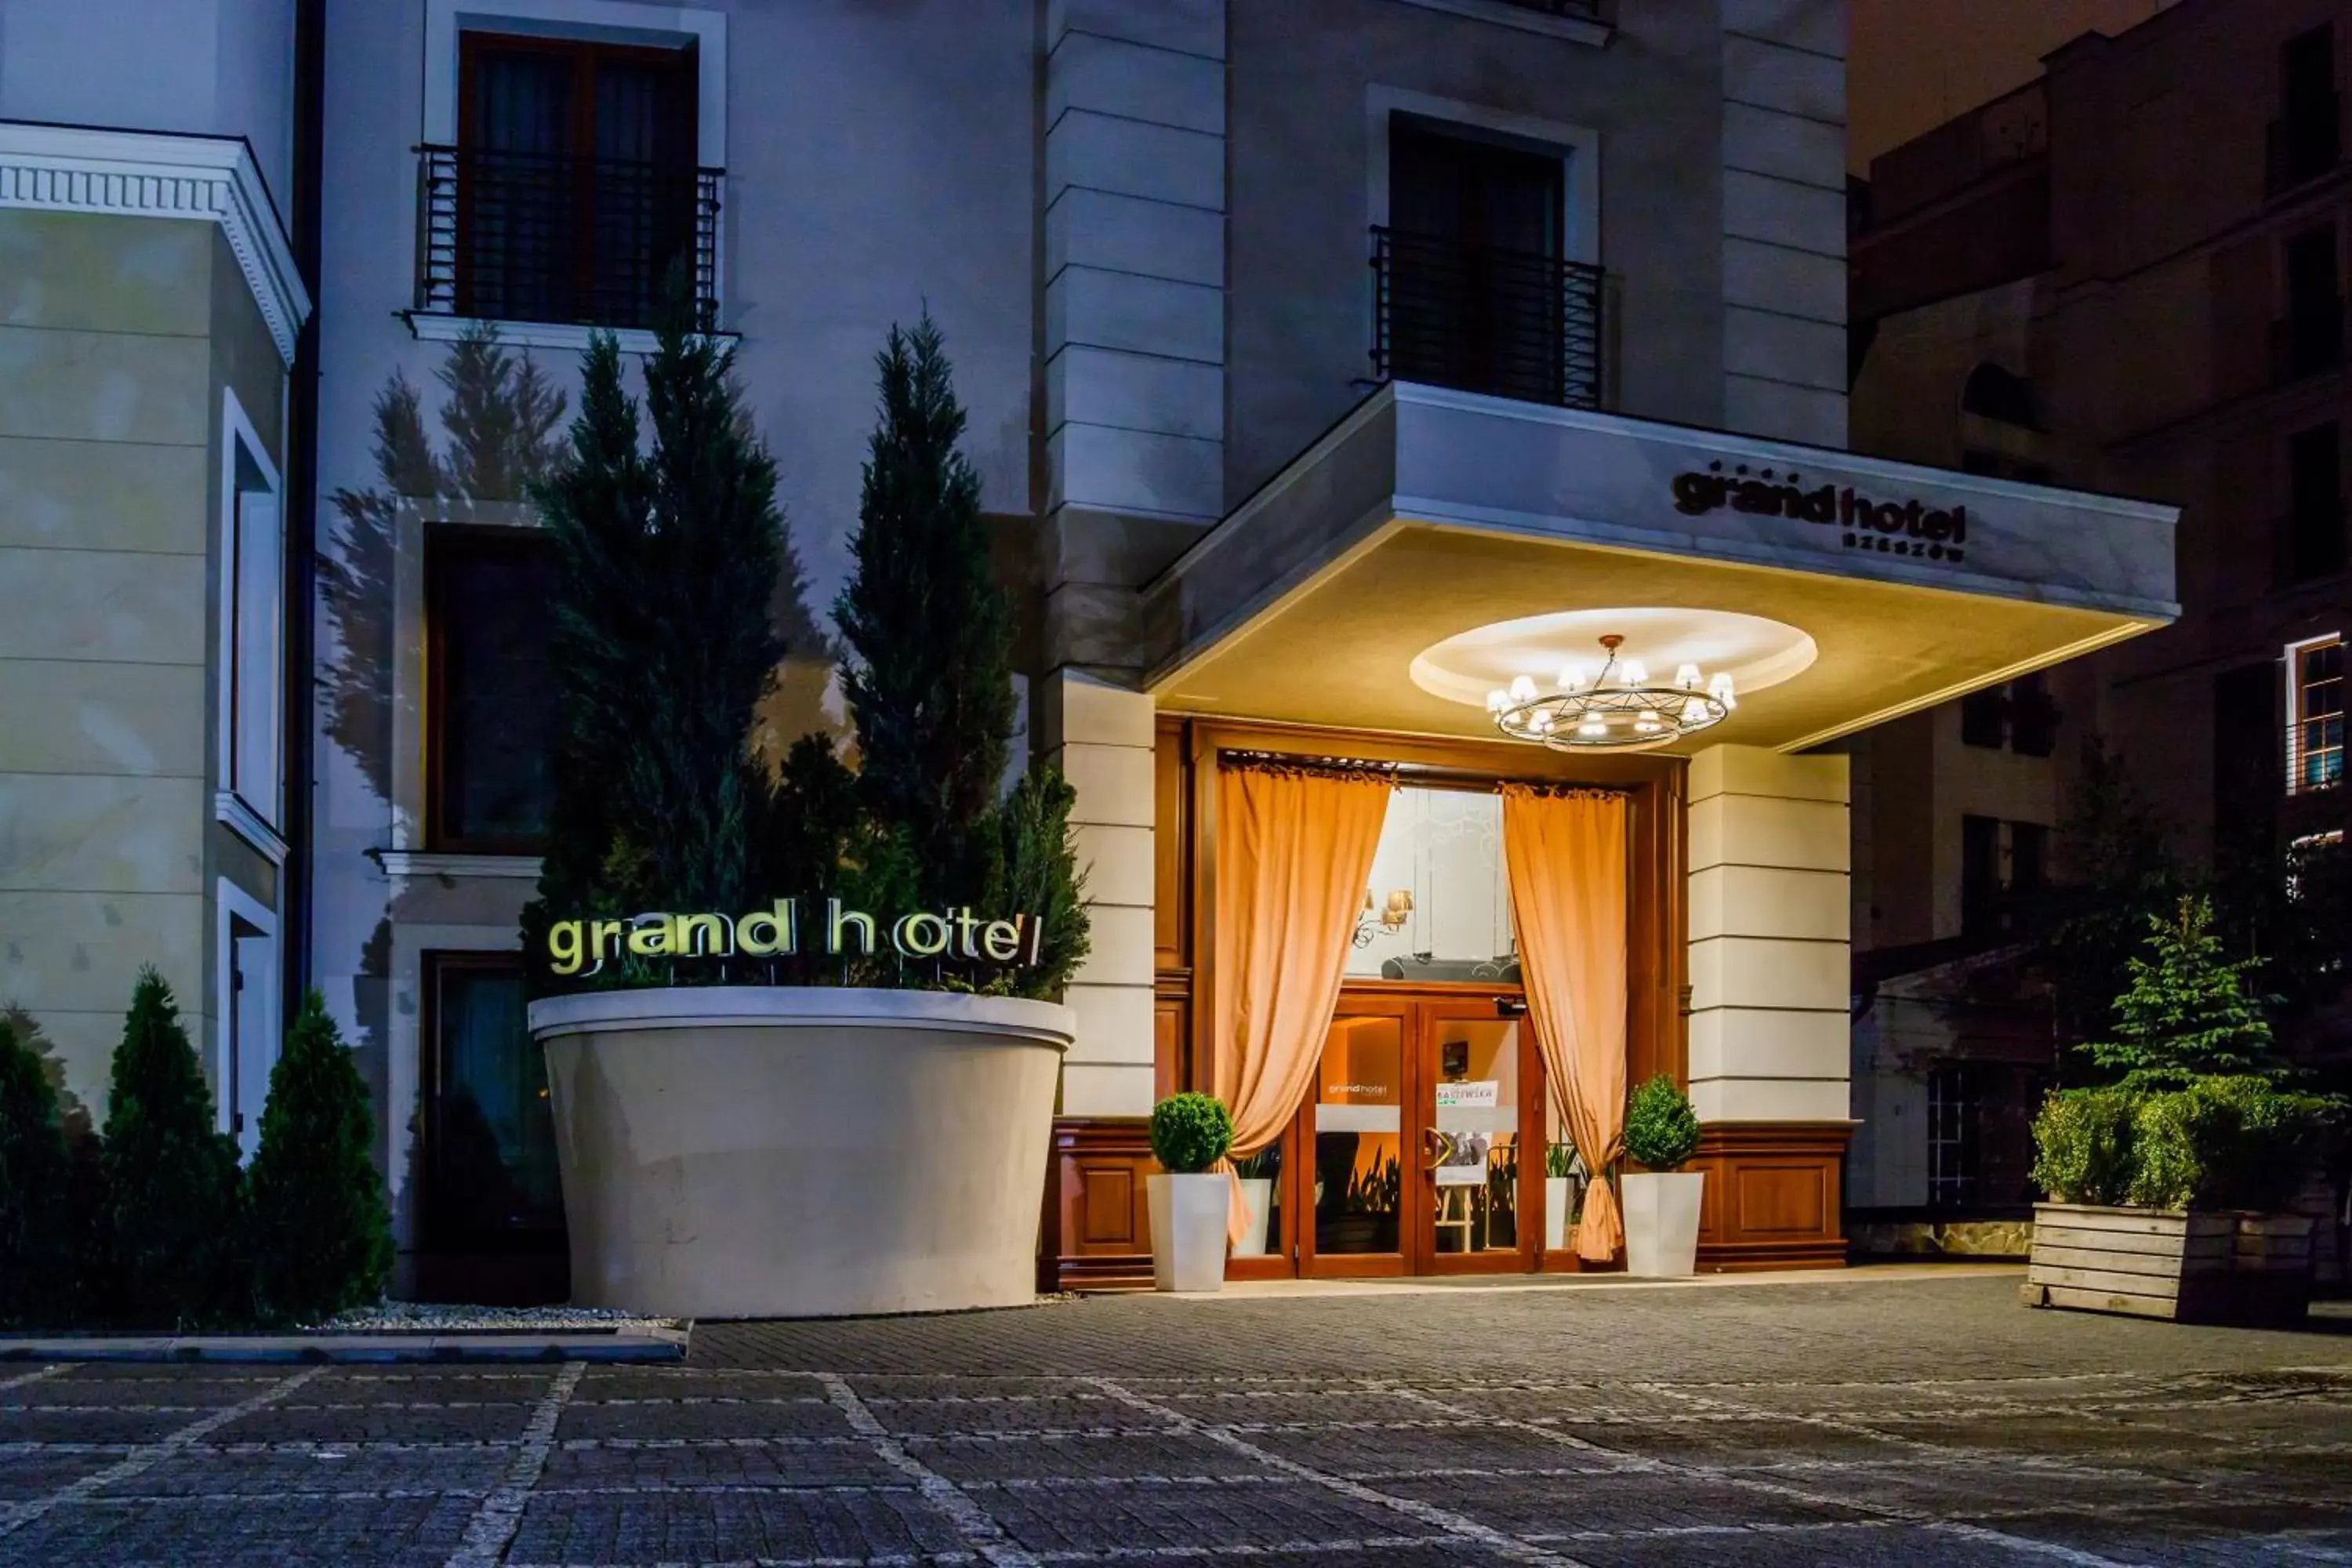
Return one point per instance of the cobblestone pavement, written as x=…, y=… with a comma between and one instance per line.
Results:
x=1887, y=1421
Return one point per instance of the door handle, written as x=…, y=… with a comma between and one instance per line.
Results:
x=1441, y=1148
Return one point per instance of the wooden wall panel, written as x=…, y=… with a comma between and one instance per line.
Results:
x=1098, y=1219
x=1170, y=848
x=1773, y=1196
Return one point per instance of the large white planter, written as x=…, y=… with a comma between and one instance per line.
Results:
x=1557, y=1203
x=1662, y=1224
x=1257, y=1191
x=1187, y=1231
x=800, y=1151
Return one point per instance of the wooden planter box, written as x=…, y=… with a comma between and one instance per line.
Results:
x=2192, y=1268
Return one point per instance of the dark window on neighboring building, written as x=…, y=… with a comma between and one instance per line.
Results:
x=1955, y=1134
x=576, y=187
x=491, y=703
x=2310, y=338
x=1473, y=288
x=1984, y=718
x=2032, y=718
x=2004, y=866
x=2314, y=534
x=1995, y=393
x=2247, y=759
x=2002, y=466
x=488, y=1138
x=2306, y=139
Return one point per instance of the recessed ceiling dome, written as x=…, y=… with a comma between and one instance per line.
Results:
x=1753, y=651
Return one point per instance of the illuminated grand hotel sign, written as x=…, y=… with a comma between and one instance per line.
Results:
x=580, y=947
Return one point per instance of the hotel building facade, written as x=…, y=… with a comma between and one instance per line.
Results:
x=1329, y=363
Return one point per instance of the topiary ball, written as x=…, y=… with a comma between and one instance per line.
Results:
x=1190, y=1132
x=1661, y=1128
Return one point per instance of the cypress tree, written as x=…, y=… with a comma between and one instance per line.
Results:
x=928, y=632
x=38, y=1242
x=321, y=1235
x=2185, y=1014
x=1042, y=877
x=171, y=1181
x=668, y=562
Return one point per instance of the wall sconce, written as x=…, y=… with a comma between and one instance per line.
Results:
x=1378, y=921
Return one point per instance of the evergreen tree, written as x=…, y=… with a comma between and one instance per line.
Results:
x=38, y=1242
x=321, y=1235
x=2185, y=1014
x=1042, y=878
x=171, y=1181
x=668, y=561
x=928, y=632
x=2120, y=873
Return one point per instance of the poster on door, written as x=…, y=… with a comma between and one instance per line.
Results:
x=1462, y=1155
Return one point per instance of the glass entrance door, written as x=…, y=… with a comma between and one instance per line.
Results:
x=1409, y=1146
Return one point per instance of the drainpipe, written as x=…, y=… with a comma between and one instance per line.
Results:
x=295, y=883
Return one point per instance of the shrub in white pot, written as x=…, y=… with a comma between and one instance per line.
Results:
x=1190, y=1203
x=1560, y=1194
x=1254, y=1173
x=1662, y=1200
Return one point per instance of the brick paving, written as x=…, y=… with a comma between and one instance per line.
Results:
x=1894, y=1421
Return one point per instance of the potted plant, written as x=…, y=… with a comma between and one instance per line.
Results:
x=1255, y=1174
x=800, y=1016
x=2166, y=1186
x=1189, y=1202
x=1560, y=1194
x=1661, y=1200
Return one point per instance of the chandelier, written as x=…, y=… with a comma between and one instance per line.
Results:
x=1615, y=708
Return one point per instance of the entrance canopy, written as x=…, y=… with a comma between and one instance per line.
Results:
x=1435, y=544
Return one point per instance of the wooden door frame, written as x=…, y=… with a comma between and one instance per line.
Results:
x=1477, y=1003
x=1300, y=1172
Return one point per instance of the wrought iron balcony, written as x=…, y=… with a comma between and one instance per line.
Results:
x=524, y=236
x=1506, y=322
x=2303, y=146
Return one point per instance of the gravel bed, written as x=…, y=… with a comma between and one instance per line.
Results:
x=440, y=1317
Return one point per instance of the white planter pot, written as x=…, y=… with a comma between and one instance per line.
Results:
x=1187, y=1231
x=1662, y=1224
x=1257, y=1191
x=1557, y=1203
x=800, y=1151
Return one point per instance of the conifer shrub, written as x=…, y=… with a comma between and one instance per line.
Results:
x=320, y=1231
x=171, y=1182
x=39, y=1243
x=2083, y=1146
x=1660, y=1126
x=1190, y=1132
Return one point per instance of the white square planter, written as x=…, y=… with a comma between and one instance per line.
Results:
x=1558, y=1201
x=1662, y=1224
x=1257, y=1191
x=1187, y=1231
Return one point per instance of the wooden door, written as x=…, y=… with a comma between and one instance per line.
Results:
x=1352, y=1181
x=1479, y=1116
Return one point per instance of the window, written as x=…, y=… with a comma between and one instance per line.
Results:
x=246, y=1047
x=2314, y=697
x=1955, y=1134
x=2020, y=715
x=2312, y=541
x=1995, y=393
x=572, y=192
x=2311, y=337
x=490, y=703
x=1474, y=286
x=489, y=1147
x=2004, y=865
x=2002, y=466
x=252, y=664
x=2305, y=139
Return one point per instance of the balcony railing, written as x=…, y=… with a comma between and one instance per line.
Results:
x=2303, y=146
x=523, y=236
x=2308, y=340
x=2314, y=755
x=1506, y=322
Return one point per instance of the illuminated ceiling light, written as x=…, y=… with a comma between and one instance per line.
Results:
x=1615, y=708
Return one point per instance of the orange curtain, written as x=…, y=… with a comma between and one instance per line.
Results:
x=1565, y=852
x=1294, y=851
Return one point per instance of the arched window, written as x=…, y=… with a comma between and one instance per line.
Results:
x=1995, y=392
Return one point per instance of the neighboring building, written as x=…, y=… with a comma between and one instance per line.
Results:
x=149, y=309
x=2125, y=277
x=1317, y=387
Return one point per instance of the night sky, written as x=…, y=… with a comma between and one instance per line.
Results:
x=1913, y=64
